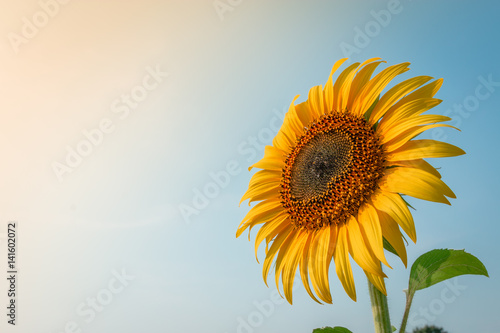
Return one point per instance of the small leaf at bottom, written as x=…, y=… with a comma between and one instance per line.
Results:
x=336, y=329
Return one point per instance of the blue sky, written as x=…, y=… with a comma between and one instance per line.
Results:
x=202, y=87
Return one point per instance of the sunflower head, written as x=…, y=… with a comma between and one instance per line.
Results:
x=332, y=184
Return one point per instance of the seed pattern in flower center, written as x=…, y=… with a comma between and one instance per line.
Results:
x=333, y=169
x=324, y=157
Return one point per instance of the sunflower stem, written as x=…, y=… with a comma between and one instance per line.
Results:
x=409, y=299
x=380, y=310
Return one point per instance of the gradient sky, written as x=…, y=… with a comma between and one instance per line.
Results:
x=177, y=93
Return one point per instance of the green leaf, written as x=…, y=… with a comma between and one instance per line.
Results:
x=336, y=329
x=439, y=265
x=394, y=329
x=389, y=247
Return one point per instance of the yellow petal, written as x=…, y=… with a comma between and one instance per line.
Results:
x=394, y=94
x=377, y=281
x=304, y=113
x=270, y=237
x=269, y=193
x=412, y=108
x=275, y=247
x=372, y=232
x=394, y=205
x=419, y=164
x=369, y=61
x=283, y=140
x=328, y=91
x=270, y=230
x=285, y=255
x=392, y=234
x=359, y=250
x=304, y=263
x=408, y=135
x=273, y=159
x=291, y=265
x=416, y=183
x=375, y=86
x=291, y=128
x=411, y=122
x=318, y=264
x=255, y=192
x=264, y=176
x=363, y=75
x=260, y=179
x=416, y=149
x=292, y=122
x=343, y=264
x=261, y=212
x=342, y=86
x=425, y=92
x=316, y=103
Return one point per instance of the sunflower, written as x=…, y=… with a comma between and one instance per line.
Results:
x=332, y=182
